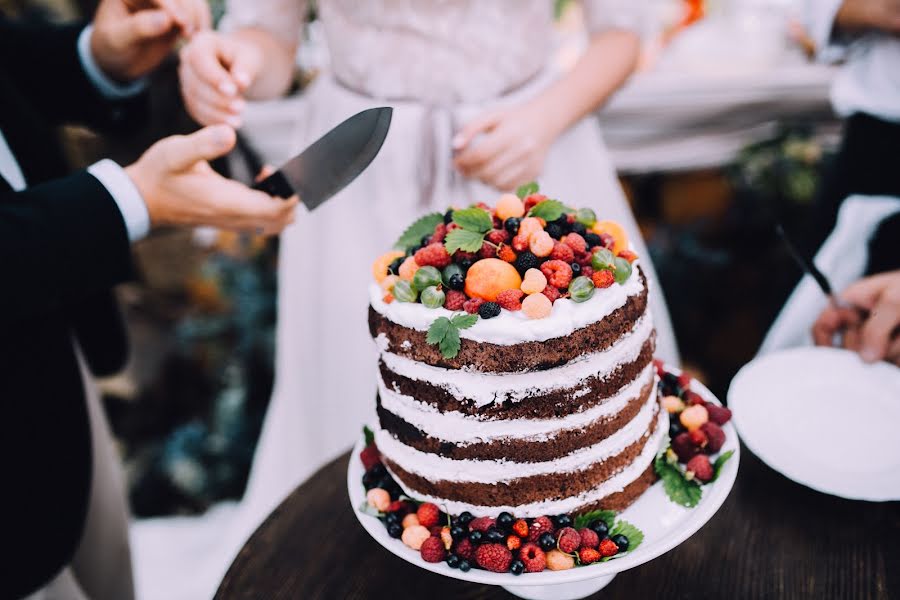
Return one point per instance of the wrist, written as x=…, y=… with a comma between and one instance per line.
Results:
x=144, y=188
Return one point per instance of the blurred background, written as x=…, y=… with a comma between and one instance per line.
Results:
x=727, y=124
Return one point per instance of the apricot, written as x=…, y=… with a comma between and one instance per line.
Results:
x=618, y=234
x=381, y=264
x=490, y=276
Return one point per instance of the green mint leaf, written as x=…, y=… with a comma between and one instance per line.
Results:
x=473, y=219
x=415, y=232
x=449, y=346
x=720, y=463
x=527, y=189
x=437, y=330
x=464, y=321
x=369, y=435
x=549, y=210
x=584, y=519
x=463, y=239
x=678, y=489
x=635, y=536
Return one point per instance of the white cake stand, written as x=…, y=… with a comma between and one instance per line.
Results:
x=664, y=523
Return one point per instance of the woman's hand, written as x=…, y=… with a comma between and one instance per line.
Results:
x=505, y=148
x=216, y=71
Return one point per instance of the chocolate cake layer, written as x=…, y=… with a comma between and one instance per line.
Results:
x=554, y=403
x=522, y=450
x=619, y=501
x=524, y=490
x=525, y=356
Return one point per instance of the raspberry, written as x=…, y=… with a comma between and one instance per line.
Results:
x=562, y=252
x=694, y=416
x=568, y=540
x=429, y=514
x=370, y=456
x=552, y=293
x=603, y=279
x=683, y=447
x=541, y=244
x=693, y=398
x=454, y=300
x=415, y=536
x=435, y=530
x=471, y=305
x=510, y=299
x=378, y=499
x=534, y=558
x=539, y=526
x=558, y=273
x=575, y=242
x=521, y=242
x=559, y=561
x=608, y=548
x=481, y=524
x=607, y=241
x=513, y=542
x=520, y=528
x=718, y=414
x=714, y=435
x=432, y=255
x=487, y=251
x=672, y=404
x=536, y=306
x=506, y=253
x=588, y=556
x=589, y=538
x=583, y=258
x=440, y=232
x=497, y=236
x=465, y=549
x=433, y=550
x=410, y=520
x=701, y=468
x=698, y=438
x=628, y=255
x=533, y=199
x=493, y=557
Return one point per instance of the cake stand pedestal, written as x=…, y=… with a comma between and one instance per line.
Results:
x=664, y=523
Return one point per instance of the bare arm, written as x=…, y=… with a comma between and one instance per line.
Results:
x=856, y=15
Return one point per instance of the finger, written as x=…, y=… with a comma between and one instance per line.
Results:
x=147, y=24
x=265, y=172
x=482, y=124
x=831, y=321
x=878, y=330
x=198, y=92
x=183, y=152
x=243, y=65
x=199, y=15
x=893, y=353
x=474, y=158
x=177, y=13
x=205, y=56
x=852, y=338
x=865, y=292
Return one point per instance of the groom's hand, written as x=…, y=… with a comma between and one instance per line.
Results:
x=180, y=188
x=132, y=37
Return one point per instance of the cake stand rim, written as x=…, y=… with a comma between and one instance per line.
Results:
x=709, y=505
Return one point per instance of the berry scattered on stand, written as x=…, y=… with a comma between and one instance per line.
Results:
x=489, y=310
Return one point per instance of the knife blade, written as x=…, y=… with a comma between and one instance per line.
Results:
x=332, y=161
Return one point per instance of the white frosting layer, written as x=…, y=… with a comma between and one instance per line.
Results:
x=485, y=388
x=462, y=429
x=433, y=466
x=514, y=327
x=614, y=484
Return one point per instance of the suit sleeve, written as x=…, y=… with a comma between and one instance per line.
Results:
x=42, y=62
x=61, y=243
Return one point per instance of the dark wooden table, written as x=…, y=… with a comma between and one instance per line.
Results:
x=771, y=539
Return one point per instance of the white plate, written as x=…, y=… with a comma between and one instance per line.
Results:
x=664, y=523
x=823, y=418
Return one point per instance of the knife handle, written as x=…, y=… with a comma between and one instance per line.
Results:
x=275, y=185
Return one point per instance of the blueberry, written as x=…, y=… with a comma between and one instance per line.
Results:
x=495, y=536
x=670, y=379
x=448, y=217
x=378, y=470
x=489, y=310
x=395, y=266
x=456, y=282
x=465, y=518
x=593, y=239
x=392, y=517
x=554, y=231
x=547, y=541
x=526, y=260
x=395, y=530
x=475, y=537
x=458, y=532
x=579, y=228
x=576, y=269
x=426, y=239
x=562, y=521
x=505, y=521
x=465, y=263
x=600, y=528
x=453, y=561
x=512, y=225
x=675, y=428
x=464, y=565
x=621, y=542
x=517, y=567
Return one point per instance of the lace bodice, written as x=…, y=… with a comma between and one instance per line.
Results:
x=437, y=51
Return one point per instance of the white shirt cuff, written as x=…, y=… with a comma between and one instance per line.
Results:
x=110, y=89
x=820, y=16
x=125, y=193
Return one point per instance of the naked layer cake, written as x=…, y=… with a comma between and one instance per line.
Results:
x=516, y=361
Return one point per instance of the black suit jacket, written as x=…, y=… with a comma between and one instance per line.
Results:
x=63, y=245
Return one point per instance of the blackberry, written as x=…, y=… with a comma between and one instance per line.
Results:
x=453, y=561
x=526, y=260
x=505, y=521
x=579, y=228
x=547, y=541
x=576, y=269
x=621, y=541
x=512, y=225
x=562, y=521
x=517, y=567
x=554, y=230
x=395, y=530
x=489, y=310
x=496, y=536
x=592, y=239
x=600, y=528
x=456, y=282
x=464, y=565
x=448, y=217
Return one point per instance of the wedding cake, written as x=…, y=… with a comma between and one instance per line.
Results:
x=516, y=361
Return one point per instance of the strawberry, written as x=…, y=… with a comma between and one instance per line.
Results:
x=603, y=279
x=700, y=467
x=714, y=435
x=693, y=398
x=608, y=548
x=718, y=414
x=513, y=542
x=684, y=447
x=507, y=254
x=698, y=438
x=628, y=255
x=429, y=514
x=520, y=528
x=588, y=556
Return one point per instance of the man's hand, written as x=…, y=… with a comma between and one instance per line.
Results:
x=869, y=14
x=132, y=37
x=180, y=188
x=876, y=336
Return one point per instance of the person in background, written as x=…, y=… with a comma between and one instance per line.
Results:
x=64, y=242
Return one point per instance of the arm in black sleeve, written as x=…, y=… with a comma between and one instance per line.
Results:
x=61, y=242
x=42, y=62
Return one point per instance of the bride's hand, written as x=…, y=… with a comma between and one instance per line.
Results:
x=504, y=148
x=215, y=72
